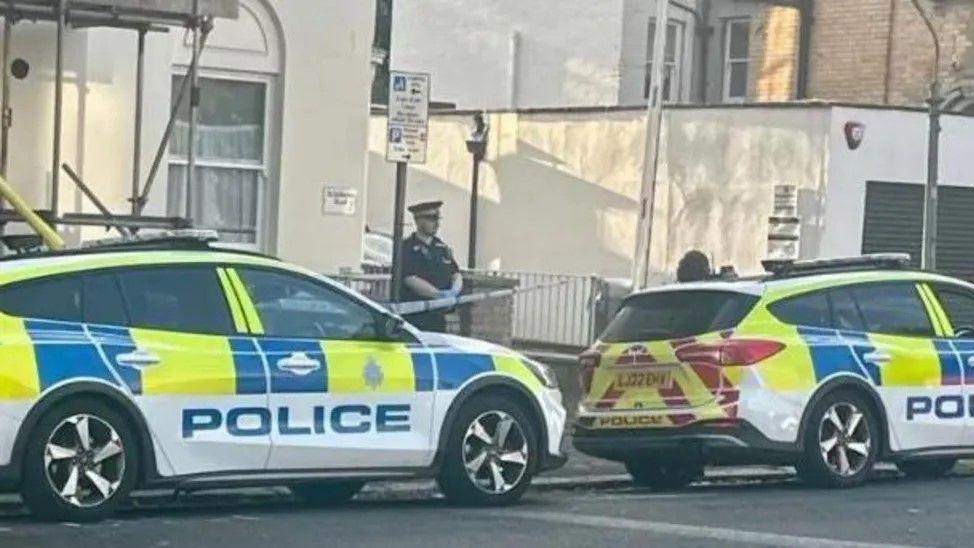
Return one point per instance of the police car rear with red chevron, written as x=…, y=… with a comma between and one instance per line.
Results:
x=170, y=363
x=827, y=365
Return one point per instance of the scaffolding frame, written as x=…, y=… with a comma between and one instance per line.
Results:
x=89, y=14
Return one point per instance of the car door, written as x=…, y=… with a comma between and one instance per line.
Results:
x=182, y=350
x=956, y=304
x=345, y=394
x=908, y=352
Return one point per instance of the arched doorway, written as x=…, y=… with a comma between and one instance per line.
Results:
x=238, y=134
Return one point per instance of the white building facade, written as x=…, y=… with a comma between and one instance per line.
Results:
x=283, y=115
x=509, y=54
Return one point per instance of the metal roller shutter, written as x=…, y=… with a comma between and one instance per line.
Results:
x=893, y=222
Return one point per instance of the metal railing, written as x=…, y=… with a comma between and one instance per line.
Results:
x=554, y=310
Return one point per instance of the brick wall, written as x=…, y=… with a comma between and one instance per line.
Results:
x=774, y=53
x=865, y=51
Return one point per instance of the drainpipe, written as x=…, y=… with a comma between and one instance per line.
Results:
x=806, y=10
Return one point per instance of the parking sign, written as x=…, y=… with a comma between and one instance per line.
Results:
x=408, y=117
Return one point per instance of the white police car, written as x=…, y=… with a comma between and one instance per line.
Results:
x=170, y=363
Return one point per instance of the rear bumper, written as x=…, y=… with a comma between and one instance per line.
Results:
x=740, y=443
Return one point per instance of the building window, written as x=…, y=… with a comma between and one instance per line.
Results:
x=737, y=41
x=671, y=61
x=230, y=151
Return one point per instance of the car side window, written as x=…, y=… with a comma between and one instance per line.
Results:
x=176, y=298
x=845, y=311
x=808, y=310
x=893, y=309
x=958, y=304
x=290, y=305
x=56, y=298
x=101, y=300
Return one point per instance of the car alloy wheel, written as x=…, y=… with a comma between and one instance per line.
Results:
x=844, y=439
x=495, y=452
x=84, y=460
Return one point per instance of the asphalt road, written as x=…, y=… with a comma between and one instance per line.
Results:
x=766, y=513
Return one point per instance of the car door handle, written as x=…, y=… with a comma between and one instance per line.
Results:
x=877, y=358
x=970, y=362
x=138, y=359
x=299, y=363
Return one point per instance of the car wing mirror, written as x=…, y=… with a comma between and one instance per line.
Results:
x=964, y=333
x=392, y=327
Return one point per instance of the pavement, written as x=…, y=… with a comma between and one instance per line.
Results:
x=725, y=510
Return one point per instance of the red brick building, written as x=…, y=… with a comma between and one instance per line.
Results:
x=863, y=51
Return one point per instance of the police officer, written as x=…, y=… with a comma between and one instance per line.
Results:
x=428, y=268
x=694, y=267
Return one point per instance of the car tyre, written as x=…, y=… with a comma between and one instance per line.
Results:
x=80, y=462
x=841, y=441
x=926, y=468
x=663, y=474
x=491, y=453
x=327, y=493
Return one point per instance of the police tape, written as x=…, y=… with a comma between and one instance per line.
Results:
x=416, y=307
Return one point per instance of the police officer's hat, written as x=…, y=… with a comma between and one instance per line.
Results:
x=426, y=208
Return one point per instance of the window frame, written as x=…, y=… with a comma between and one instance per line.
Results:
x=676, y=79
x=727, y=61
x=377, y=312
x=260, y=168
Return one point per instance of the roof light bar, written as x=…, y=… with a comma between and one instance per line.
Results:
x=195, y=235
x=871, y=261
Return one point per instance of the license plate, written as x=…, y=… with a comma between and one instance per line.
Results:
x=645, y=379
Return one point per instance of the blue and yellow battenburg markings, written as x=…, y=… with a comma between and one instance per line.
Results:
x=46, y=353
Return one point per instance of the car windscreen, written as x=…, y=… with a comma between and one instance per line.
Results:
x=677, y=315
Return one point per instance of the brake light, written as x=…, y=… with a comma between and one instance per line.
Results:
x=729, y=353
x=588, y=360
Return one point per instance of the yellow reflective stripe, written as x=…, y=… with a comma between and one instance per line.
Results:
x=939, y=311
x=239, y=323
x=363, y=367
x=188, y=363
x=915, y=361
x=243, y=296
x=931, y=313
x=18, y=364
x=513, y=366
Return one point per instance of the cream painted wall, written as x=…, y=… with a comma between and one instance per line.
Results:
x=718, y=171
x=560, y=189
x=322, y=99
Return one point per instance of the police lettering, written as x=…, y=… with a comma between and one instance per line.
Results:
x=623, y=421
x=259, y=421
x=948, y=406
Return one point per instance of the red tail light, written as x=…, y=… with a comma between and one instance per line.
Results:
x=589, y=360
x=729, y=353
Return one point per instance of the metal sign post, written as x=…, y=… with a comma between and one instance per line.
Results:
x=406, y=138
x=654, y=120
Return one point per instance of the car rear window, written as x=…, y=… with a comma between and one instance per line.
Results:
x=677, y=315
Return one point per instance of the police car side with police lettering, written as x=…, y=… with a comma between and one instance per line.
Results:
x=171, y=363
x=827, y=365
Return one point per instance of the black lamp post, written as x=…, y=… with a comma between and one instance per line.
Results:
x=477, y=147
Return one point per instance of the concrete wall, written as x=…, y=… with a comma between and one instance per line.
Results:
x=565, y=53
x=717, y=176
x=321, y=82
x=560, y=189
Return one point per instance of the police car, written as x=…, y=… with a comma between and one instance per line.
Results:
x=172, y=363
x=829, y=366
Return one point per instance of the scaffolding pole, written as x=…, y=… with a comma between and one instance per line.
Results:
x=58, y=106
x=194, y=103
x=5, y=115
x=137, y=139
